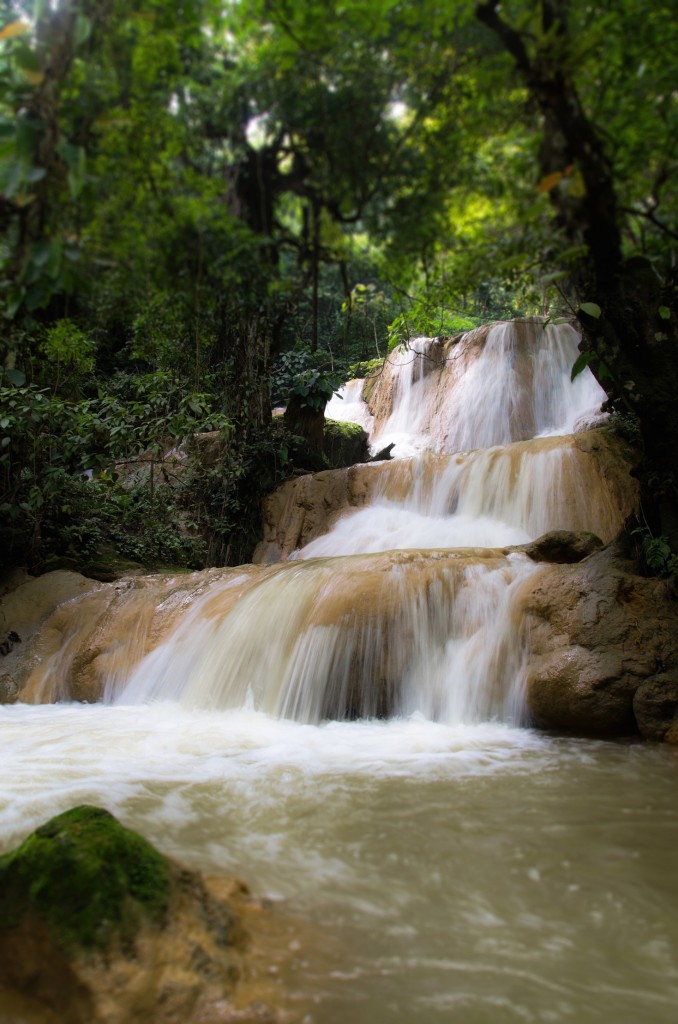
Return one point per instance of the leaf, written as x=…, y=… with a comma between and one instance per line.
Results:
x=83, y=29
x=664, y=312
x=33, y=77
x=35, y=174
x=41, y=253
x=591, y=309
x=550, y=181
x=14, y=29
x=17, y=378
x=577, y=188
x=581, y=362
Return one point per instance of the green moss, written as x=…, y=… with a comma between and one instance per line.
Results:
x=87, y=878
x=371, y=383
x=344, y=444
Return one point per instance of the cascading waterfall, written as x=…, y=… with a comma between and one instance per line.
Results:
x=409, y=605
x=441, y=864
x=509, y=382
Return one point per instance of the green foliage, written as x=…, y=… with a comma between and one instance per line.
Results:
x=589, y=358
x=421, y=321
x=76, y=475
x=657, y=555
x=364, y=368
x=89, y=880
x=309, y=376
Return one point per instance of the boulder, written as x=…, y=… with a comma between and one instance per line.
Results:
x=655, y=706
x=563, y=546
x=602, y=645
x=97, y=927
x=344, y=444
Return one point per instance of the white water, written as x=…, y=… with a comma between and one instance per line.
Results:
x=490, y=397
x=468, y=874
x=513, y=385
x=452, y=866
x=347, y=406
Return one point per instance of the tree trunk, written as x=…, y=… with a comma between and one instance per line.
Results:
x=637, y=348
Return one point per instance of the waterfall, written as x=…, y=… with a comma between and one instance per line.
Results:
x=409, y=604
x=509, y=382
x=352, y=637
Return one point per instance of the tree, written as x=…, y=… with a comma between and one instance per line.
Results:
x=609, y=192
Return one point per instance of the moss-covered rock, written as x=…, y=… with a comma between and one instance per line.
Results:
x=97, y=927
x=87, y=878
x=344, y=444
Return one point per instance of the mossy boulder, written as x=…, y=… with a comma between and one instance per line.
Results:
x=344, y=444
x=87, y=878
x=97, y=927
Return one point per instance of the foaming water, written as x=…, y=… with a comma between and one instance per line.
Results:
x=347, y=406
x=353, y=637
x=489, y=498
x=507, y=383
x=457, y=873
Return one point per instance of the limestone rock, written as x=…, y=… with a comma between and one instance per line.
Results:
x=303, y=508
x=96, y=638
x=602, y=649
x=655, y=705
x=97, y=927
x=563, y=546
x=596, y=491
x=9, y=689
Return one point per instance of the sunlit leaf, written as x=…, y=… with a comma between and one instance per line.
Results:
x=550, y=181
x=591, y=309
x=14, y=29
x=33, y=77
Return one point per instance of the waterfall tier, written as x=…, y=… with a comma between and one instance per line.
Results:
x=403, y=592
x=498, y=384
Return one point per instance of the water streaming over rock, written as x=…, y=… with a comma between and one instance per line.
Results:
x=410, y=604
x=451, y=866
x=368, y=636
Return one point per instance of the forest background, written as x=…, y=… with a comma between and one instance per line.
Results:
x=208, y=208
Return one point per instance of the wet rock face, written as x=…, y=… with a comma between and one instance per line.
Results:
x=99, y=928
x=603, y=650
x=563, y=546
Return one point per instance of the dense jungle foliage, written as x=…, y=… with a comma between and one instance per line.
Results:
x=209, y=207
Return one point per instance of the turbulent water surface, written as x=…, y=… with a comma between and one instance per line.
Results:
x=470, y=873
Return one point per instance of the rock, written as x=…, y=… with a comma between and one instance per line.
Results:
x=591, y=420
x=304, y=508
x=344, y=444
x=384, y=453
x=91, y=641
x=206, y=448
x=602, y=649
x=563, y=546
x=100, y=928
x=23, y=611
x=9, y=689
x=655, y=705
x=307, y=506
